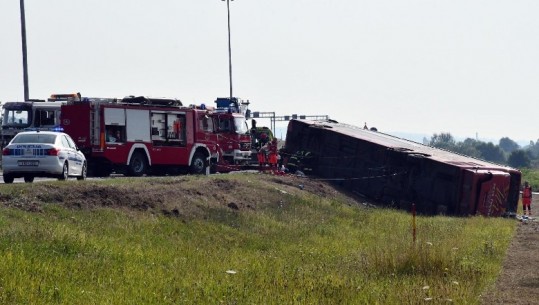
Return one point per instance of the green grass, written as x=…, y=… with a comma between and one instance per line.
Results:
x=532, y=176
x=305, y=251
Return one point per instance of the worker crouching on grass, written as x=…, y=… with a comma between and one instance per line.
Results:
x=527, y=199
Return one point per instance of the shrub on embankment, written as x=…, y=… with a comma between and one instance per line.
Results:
x=233, y=239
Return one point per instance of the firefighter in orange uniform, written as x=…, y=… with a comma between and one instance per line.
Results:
x=272, y=155
x=261, y=155
x=526, y=199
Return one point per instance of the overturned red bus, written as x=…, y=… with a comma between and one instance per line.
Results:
x=398, y=172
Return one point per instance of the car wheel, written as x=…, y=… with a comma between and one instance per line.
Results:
x=28, y=179
x=65, y=172
x=83, y=173
x=8, y=179
x=198, y=164
x=137, y=165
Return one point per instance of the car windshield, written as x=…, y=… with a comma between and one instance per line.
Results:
x=34, y=138
x=240, y=125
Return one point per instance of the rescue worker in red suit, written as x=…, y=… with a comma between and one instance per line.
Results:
x=176, y=128
x=261, y=155
x=526, y=199
x=263, y=139
x=272, y=154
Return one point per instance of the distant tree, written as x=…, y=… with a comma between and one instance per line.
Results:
x=491, y=152
x=468, y=148
x=443, y=140
x=533, y=149
x=508, y=145
x=519, y=159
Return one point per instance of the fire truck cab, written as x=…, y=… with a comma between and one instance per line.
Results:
x=232, y=132
x=141, y=135
x=32, y=114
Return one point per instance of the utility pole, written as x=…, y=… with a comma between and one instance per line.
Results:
x=229, y=47
x=24, y=55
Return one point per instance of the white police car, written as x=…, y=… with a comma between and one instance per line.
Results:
x=42, y=154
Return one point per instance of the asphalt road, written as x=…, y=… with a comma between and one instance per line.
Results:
x=39, y=179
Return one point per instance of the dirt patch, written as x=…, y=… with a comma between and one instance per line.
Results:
x=186, y=196
x=518, y=282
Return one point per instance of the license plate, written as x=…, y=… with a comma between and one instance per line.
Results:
x=28, y=163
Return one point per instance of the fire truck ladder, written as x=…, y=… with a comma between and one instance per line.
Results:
x=94, y=125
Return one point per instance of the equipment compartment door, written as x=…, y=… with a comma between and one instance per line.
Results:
x=138, y=125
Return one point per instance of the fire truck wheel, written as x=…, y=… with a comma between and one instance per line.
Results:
x=198, y=165
x=137, y=165
x=8, y=178
x=83, y=172
x=65, y=172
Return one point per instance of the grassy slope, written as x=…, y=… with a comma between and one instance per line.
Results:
x=532, y=176
x=291, y=248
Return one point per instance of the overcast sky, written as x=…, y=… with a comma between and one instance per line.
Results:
x=468, y=67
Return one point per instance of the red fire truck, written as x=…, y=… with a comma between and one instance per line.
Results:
x=141, y=135
x=232, y=132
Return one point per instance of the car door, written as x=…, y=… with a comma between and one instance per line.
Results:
x=78, y=156
x=71, y=156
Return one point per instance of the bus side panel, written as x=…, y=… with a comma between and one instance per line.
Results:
x=493, y=194
x=468, y=193
x=435, y=187
x=514, y=192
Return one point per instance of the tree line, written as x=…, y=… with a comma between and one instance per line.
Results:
x=507, y=151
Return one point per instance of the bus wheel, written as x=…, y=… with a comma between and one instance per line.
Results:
x=198, y=164
x=137, y=165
